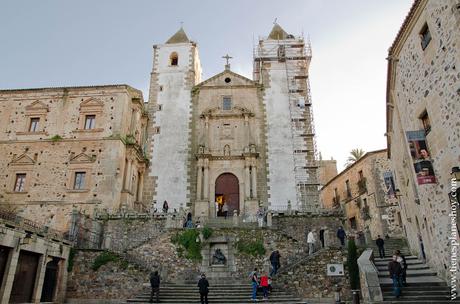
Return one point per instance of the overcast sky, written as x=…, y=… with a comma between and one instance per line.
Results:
x=86, y=42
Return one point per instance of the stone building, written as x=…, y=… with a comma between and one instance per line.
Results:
x=33, y=262
x=71, y=148
x=248, y=143
x=366, y=193
x=327, y=170
x=423, y=130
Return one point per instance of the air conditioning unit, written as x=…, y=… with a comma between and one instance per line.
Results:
x=335, y=270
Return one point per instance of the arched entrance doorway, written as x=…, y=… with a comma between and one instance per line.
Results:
x=49, y=283
x=227, y=191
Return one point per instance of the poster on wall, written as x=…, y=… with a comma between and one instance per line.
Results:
x=389, y=184
x=421, y=157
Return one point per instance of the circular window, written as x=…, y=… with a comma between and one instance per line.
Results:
x=227, y=80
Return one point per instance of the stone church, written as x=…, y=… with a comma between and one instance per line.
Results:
x=246, y=143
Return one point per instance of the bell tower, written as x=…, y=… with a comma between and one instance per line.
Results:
x=176, y=69
x=281, y=64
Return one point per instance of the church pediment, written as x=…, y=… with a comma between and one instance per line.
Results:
x=22, y=159
x=36, y=107
x=91, y=103
x=227, y=78
x=81, y=158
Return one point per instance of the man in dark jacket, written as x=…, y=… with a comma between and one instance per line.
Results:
x=380, y=243
x=402, y=260
x=275, y=261
x=155, y=284
x=395, y=270
x=341, y=235
x=203, y=285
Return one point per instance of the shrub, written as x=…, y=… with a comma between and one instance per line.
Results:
x=352, y=264
x=254, y=248
x=190, y=242
x=56, y=138
x=103, y=259
x=207, y=232
x=71, y=260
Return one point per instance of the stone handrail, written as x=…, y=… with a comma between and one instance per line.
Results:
x=369, y=278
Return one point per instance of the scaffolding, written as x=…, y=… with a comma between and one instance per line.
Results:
x=294, y=56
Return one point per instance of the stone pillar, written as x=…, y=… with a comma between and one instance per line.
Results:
x=140, y=190
x=247, y=130
x=269, y=219
x=206, y=179
x=39, y=278
x=247, y=181
x=206, y=127
x=254, y=181
x=8, y=276
x=127, y=184
x=198, y=183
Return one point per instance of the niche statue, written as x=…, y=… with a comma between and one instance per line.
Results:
x=218, y=258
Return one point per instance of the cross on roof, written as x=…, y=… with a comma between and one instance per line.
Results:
x=227, y=58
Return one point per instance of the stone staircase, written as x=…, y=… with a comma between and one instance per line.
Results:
x=424, y=287
x=219, y=293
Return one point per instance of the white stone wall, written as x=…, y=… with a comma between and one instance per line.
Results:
x=428, y=80
x=171, y=144
x=282, y=185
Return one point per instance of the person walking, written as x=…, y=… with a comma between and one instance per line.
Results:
x=275, y=261
x=165, y=207
x=402, y=260
x=254, y=284
x=380, y=244
x=311, y=240
x=395, y=270
x=341, y=235
x=260, y=216
x=264, y=284
x=155, y=284
x=225, y=209
x=203, y=286
x=321, y=237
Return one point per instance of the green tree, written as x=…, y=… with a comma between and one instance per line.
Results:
x=352, y=264
x=355, y=155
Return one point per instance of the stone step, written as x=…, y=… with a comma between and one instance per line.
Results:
x=420, y=299
x=384, y=267
x=220, y=301
x=417, y=301
x=388, y=259
x=419, y=281
x=412, y=273
x=421, y=292
x=409, y=262
x=419, y=287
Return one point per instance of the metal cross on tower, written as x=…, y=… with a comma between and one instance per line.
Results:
x=227, y=58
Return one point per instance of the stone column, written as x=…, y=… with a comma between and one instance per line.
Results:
x=8, y=276
x=206, y=179
x=140, y=189
x=247, y=130
x=127, y=176
x=198, y=182
x=254, y=181
x=247, y=181
x=40, y=277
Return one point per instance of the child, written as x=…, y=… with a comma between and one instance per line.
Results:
x=264, y=284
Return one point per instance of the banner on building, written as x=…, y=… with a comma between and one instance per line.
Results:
x=389, y=184
x=421, y=157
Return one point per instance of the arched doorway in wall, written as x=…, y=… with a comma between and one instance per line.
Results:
x=227, y=191
x=50, y=281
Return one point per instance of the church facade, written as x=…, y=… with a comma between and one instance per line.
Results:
x=229, y=139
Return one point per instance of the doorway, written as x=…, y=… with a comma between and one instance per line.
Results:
x=24, y=278
x=227, y=192
x=49, y=283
